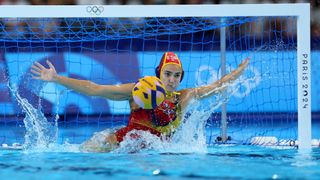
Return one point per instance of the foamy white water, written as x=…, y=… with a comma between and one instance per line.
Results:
x=39, y=132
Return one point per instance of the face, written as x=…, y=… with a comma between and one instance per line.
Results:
x=170, y=76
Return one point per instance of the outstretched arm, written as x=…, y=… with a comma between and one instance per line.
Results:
x=214, y=88
x=221, y=84
x=113, y=92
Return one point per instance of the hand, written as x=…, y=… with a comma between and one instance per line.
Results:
x=237, y=72
x=42, y=73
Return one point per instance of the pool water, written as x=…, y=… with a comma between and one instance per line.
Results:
x=219, y=162
x=64, y=160
x=57, y=155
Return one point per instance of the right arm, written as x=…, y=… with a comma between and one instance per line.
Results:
x=113, y=92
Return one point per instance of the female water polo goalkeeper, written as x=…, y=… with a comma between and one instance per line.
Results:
x=163, y=119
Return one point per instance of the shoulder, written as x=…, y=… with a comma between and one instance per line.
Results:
x=185, y=96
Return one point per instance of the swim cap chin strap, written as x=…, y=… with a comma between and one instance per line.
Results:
x=171, y=94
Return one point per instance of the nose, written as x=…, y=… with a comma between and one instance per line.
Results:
x=171, y=79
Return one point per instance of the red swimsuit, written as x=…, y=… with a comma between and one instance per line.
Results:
x=161, y=120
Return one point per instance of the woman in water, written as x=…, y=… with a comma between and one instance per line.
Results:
x=161, y=121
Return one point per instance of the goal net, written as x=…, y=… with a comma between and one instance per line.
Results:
x=261, y=107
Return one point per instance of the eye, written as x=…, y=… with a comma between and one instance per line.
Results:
x=167, y=74
x=177, y=75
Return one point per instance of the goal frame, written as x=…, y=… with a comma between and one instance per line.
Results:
x=301, y=11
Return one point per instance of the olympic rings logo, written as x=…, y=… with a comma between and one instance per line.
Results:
x=96, y=10
x=247, y=84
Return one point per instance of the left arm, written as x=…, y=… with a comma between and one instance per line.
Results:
x=213, y=88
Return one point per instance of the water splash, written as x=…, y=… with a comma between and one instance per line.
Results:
x=39, y=132
x=138, y=141
x=190, y=137
x=97, y=142
x=41, y=135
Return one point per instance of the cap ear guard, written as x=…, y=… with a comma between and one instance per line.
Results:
x=182, y=74
x=157, y=71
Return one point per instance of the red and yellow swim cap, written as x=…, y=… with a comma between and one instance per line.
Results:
x=169, y=58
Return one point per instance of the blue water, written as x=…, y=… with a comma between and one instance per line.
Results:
x=220, y=162
x=63, y=160
x=56, y=155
